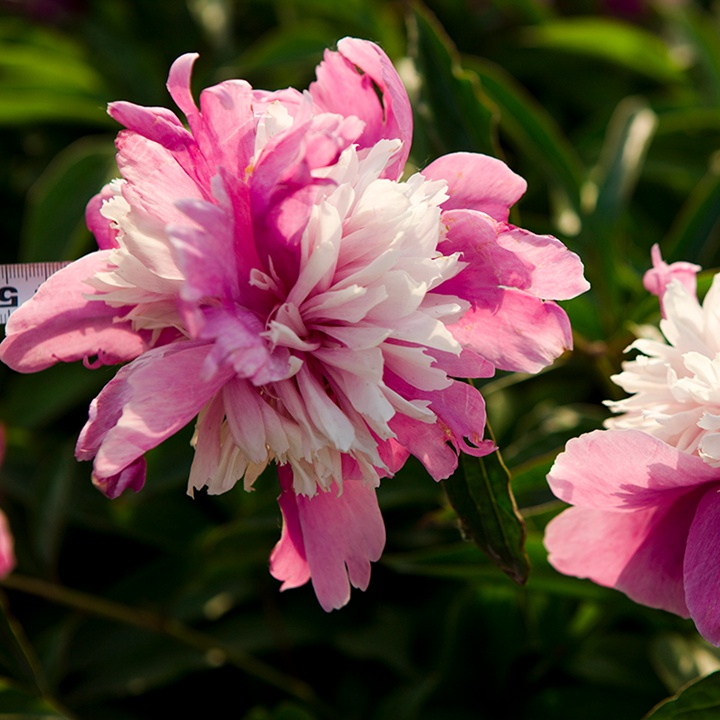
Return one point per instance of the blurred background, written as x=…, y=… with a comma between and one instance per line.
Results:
x=156, y=605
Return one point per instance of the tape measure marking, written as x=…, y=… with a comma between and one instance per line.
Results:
x=19, y=282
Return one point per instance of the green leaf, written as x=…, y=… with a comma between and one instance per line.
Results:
x=55, y=218
x=691, y=234
x=16, y=704
x=462, y=117
x=620, y=43
x=533, y=130
x=481, y=496
x=699, y=700
x=629, y=134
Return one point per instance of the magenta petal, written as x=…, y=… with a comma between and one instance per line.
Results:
x=288, y=561
x=638, y=553
x=132, y=477
x=702, y=580
x=427, y=442
x=157, y=124
x=7, y=551
x=340, y=88
x=555, y=273
x=58, y=324
x=105, y=234
x=514, y=330
x=178, y=85
x=477, y=182
x=146, y=402
x=624, y=470
x=340, y=535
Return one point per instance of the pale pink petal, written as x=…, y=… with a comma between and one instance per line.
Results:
x=58, y=324
x=144, y=404
x=477, y=182
x=348, y=82
x=105, y=234
x=330, y=538
x=639, y=553
x=514, y=330
x=702, y=579
x=625, y=470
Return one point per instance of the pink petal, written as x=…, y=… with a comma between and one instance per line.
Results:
x=288, y=561
x=504, y=255
x=99, y=226
x=58, y=324
x=146, y=402
x=330, y=538
x=132, y=477
x=555, y=272
x=638, y=553
x=477, y=182
x=625, y=470
x=178, y=86
x=347, y=83
x=702, y=580
x=514, y=330
x=7, y=552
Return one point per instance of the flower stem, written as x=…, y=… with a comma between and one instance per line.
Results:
x=216, y=651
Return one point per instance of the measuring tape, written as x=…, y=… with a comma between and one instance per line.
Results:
x=20, y=282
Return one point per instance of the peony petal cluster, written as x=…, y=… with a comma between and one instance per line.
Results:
x=646, y=491
x=267, y=271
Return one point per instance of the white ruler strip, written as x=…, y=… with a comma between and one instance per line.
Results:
x=20, y=282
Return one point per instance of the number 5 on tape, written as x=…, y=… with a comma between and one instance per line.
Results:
x=20, y=282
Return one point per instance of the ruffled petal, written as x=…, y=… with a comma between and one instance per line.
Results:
x=144, y=404
x=59, y=323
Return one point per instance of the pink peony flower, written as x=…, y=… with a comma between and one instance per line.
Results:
x=268, y=271
x=646, y=491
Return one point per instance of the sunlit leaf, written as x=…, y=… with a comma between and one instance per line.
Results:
x=698, y=701
x=462, y=117
x=55, y=217
x=533, y=129
x=620, y=43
